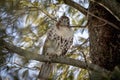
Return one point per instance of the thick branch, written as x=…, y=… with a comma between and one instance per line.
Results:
x=63, y=60
x=112, y=6
x=76, y=6
x=85, y=12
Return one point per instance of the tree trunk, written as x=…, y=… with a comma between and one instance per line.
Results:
x=104, y=38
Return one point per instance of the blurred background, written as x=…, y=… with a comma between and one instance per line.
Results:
x=24, y=23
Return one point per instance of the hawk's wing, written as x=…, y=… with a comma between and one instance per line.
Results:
x=51, y=43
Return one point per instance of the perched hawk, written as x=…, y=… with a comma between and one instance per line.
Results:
x=58, y=41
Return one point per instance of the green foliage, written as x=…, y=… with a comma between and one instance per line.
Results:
x=99, y=76
x=115, y=75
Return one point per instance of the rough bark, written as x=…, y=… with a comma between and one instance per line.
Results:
x=113, y=6
x=104, y=39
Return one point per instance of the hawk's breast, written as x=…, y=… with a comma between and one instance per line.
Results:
x=58, y=41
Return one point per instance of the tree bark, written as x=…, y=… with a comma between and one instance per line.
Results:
x=113, y=6
x=63, y=60
x=104, y=39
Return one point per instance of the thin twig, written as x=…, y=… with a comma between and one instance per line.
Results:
x=44, y=11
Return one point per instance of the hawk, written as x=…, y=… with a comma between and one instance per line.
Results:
x=58, y=41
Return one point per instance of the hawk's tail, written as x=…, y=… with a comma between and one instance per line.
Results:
x=45, y=71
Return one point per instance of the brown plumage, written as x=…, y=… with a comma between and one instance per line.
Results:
x=58, y=41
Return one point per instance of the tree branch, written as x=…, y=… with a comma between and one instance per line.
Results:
x=63, y=60
x=112, y=6
x=86, y=12
x=76, y=6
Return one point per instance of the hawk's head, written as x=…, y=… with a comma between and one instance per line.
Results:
x=63, y=22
